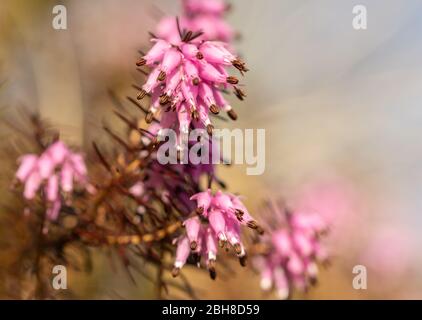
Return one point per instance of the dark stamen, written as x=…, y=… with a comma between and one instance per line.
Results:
x=141, y=62
x=210, y=128
x=161, y=76
x=222, y=243
x=232, y=80
x=164, y=99
x=232, y=114
x=239, y=93
x=193, y=245
x=237, y=248
x=211, y=269
x=195, y=114
x=175, y=272
x=149, y=117
x=243, y=260
x=214, y=109
x=141, y=94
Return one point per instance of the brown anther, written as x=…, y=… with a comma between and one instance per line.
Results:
x=211, y=269
x=164, y=99
x=232, y=114
x=313, y=281
x=175, y=272
x=200, y=210
x=195, y=81
x=239, y=218
x=199, y=55
x=239, y=93
x=161, y=76
x=240, y=65
x=141, y=62
x=214, y=109
x=237, y=248
x=149, y=117
x=222, y=243
x=239, y=213
x=210, y=128
x=141, y=94
x=232, y=80
x=242, y=260
x=252, y=224
x=195, y=114
x=193, y=245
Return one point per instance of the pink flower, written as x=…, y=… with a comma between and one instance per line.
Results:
x=214, y=7
x=27, y=164
x=193, y=226
x=198, y=15
x=203, y=200
x=293, y=250
x=182, y=253
x=57, y=168
x=216, y=224
x=187, y=80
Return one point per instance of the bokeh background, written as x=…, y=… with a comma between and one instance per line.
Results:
x=341, y=109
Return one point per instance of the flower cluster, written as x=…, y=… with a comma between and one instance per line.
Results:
x=187, y=82
x=217, y=224
x=291, y=251
x=52, y=173
x=204, y=15
x=141, y=207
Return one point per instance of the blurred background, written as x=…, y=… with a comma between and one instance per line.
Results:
x=340, y=108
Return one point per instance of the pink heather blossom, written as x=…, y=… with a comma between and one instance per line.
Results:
x=199, y=15
x=203, y=200
x=186, y=83
x=217, y=224
x=213, y=7
x=55, y=170
x=293, y=250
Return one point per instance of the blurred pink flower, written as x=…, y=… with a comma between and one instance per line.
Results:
x=293, y=249
x=198, y=15
x=55, y=170
x=218, y=223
